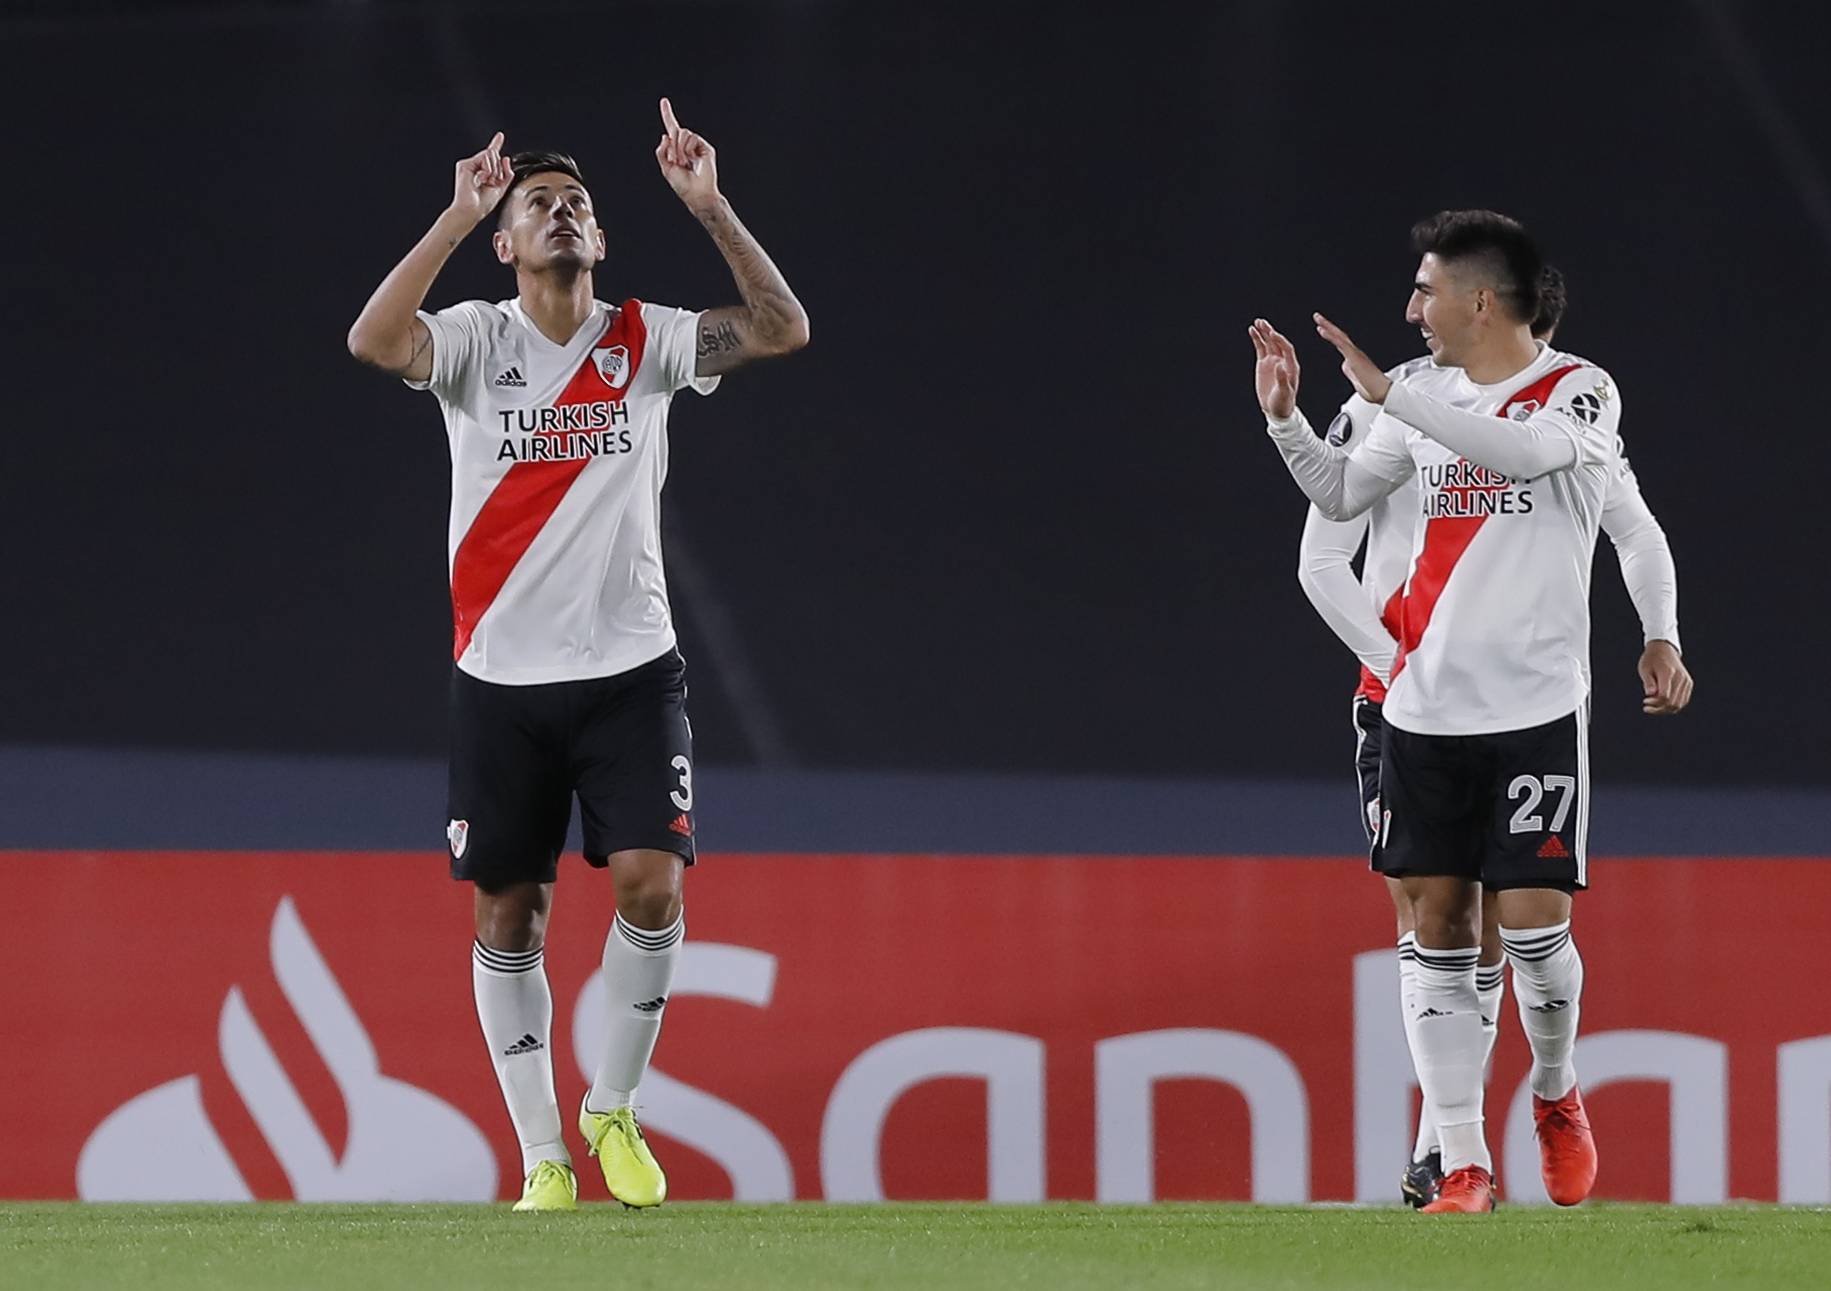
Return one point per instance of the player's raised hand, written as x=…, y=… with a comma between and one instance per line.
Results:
x=1275, y=374
x=481, y=180
x=1665, y=680
x=688, y=162
x=1369, y=381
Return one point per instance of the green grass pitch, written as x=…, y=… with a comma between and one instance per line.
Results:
x=46, y=1247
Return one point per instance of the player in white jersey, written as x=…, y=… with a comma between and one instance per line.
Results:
x=1484, y=761
x=566, y=679
x=1363, y=611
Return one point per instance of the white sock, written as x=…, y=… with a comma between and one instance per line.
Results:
x=1548, y=978
x=1490, y=990
x=638, y=973
x=516, y=1010
x=1450, y=1049
x=1408, y=986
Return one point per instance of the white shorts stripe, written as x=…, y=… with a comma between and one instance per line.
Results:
x=1360, y=739
x=1582, y=848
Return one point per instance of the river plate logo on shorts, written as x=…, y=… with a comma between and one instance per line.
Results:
x=457, y=833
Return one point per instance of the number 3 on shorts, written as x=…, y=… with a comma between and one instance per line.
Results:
x=683, y=796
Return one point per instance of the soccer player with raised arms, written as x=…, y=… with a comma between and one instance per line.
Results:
x=566, y=679
x=1484, y=758
x=1363, y=611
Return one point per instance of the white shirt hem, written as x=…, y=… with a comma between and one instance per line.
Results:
x=591, y=669
x=1411, y=723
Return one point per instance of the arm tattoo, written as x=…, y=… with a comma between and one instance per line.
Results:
x=718, y=340
x=770, y=312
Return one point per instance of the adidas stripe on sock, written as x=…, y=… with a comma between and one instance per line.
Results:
x=1426, y=1141
x=652, y=941
x=507, y=961
x=515, y=1009
x=1548, y=981
x=1450, y=1052
x=1534, y=945
x=1490, y=989
x=638, y=974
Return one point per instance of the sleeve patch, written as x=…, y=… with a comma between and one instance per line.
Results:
x=1587, y=407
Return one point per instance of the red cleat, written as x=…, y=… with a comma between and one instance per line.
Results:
x=1567, y=1150
x=1468, y=1191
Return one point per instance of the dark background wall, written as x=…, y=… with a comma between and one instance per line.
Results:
x=1013, y=509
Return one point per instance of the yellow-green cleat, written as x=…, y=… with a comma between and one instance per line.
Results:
x=550, y=1185
x=630, y=1171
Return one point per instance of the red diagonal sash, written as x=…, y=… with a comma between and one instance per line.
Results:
x=526, y=497
x=1446, y=538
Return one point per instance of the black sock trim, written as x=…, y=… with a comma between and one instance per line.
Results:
x=651, y=940
x=506, y=961
x=1450, y=960
x=1531, y=952
x=1534, y=938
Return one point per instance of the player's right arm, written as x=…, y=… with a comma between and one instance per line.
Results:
x=1325, y=561
x=389, y=334
x=1342, y=485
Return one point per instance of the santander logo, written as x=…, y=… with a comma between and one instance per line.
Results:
x=403, y=1144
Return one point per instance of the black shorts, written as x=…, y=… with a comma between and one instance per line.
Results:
x=1509, y=810
x=1367, y=727
x=519, y=753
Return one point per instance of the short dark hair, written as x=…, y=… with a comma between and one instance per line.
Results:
x=1498, y=243
x=1553, y=301
x=524, y=164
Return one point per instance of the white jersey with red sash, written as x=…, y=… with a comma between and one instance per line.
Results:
x=558, y=456
x=1492, y=619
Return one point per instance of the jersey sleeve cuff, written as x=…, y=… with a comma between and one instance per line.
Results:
x=1288, y=427
x=436, y=327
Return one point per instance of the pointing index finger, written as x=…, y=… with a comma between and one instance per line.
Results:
x=668, y=120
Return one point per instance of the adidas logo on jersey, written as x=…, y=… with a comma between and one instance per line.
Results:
x=512, y=377
x=527, y=1044
x=681, y=825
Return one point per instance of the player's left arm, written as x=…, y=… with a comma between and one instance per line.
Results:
x=1325, y=572
x=771, y=321
x=1575, y=427
x=1651, y=576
